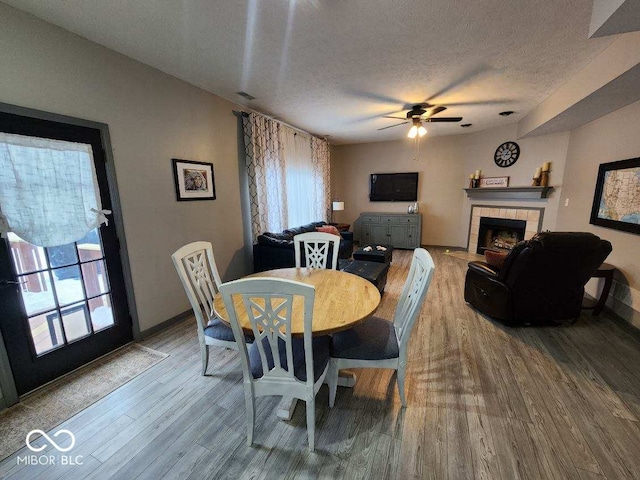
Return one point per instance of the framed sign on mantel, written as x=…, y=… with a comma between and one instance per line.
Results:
x=494, y=182
x=616, y=202
x=193, y=180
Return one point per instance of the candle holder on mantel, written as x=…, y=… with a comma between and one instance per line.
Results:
x=544, y=179
x=475, y=182
x=535, y=181
x=544, y=175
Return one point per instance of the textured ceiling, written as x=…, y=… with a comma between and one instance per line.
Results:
x=333, y=67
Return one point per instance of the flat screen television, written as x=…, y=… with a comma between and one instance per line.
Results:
x=393, y=187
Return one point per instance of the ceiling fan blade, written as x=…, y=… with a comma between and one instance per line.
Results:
x=434, y=111
x=478, y=71
x=480, y=103
x=391, y=126
x=397, y=118
x=443, y=119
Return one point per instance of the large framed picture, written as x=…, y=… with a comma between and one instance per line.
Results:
x=616, y=203
x=194, y=180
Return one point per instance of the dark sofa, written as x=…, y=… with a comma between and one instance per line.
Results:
x=275, y=250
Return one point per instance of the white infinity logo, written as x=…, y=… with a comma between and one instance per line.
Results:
x=50, y=440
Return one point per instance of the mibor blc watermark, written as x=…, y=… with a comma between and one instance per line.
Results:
x=65, y=445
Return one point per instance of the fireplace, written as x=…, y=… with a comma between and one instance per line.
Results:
x=531, y=216
x=499, y=233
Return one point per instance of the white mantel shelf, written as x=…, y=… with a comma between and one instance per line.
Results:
x=512, y=193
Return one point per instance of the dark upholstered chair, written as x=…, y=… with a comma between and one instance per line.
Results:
x=542, y=279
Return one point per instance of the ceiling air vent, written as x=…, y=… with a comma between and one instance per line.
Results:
x=246, y=95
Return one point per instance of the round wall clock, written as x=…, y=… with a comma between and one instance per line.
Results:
x=507, y=154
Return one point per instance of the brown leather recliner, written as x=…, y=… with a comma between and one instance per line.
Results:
x=542, y=279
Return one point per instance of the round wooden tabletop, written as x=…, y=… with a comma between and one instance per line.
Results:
x=342, y=299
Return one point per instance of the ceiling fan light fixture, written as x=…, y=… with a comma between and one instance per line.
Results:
x=417, y=129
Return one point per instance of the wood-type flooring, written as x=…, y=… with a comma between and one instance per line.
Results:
x=485, y=401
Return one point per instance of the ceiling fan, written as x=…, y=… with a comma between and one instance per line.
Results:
x=422, y=112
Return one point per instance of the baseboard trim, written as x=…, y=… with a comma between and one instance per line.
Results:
x=446, y=247
x=166, y=324
x=623, y=323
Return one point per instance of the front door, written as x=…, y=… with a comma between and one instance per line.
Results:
x=61, y=307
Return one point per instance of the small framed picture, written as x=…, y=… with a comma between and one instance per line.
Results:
x=494, y=182
x=616, y=201
x=194, y=180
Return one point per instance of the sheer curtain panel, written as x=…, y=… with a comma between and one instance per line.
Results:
x=49, y=192
x=300, y=188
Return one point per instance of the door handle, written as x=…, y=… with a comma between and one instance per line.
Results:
x=5, y=283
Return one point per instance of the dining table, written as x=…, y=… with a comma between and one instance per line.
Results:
x=341, y=301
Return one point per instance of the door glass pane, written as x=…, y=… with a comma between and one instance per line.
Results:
x=95, y=278
x=68, y=285
x=90, y=247
x=63, y=255
x=26, y=257
x=46, y=331
x=37, y=293
x=76, y=321
x=101, y=312
x=55, y=298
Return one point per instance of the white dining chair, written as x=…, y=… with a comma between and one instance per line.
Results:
x=316, y=247
x=300, y=366
x=199, y=275
x=379, y=343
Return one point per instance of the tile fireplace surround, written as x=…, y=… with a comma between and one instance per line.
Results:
x=532, y=215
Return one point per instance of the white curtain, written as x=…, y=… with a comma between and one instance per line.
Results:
x=48, y=190
x=299, y=177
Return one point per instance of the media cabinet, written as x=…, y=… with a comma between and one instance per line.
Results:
x=400, y=230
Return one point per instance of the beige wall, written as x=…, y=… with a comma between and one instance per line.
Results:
x=152, y=118
x=444, y=165
x=441, y=168
x=610, y=138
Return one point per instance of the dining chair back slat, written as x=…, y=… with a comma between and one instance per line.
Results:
x=203, y=279
x=316, y=247
x=270, y=316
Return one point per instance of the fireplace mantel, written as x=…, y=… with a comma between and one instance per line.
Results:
x=509, y=193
